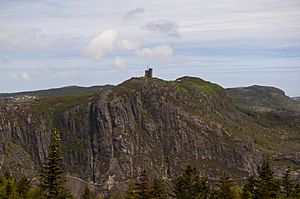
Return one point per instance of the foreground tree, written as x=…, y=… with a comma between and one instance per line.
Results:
x=267, y=186
x=190, y=185
x=51, y=176
x=158, y=190
x=287, y=183
x=249, y=188
x=225, y=188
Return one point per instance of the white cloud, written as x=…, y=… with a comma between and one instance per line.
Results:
x=129, y=44
x=157, y=53
x=101, y=44
x=20, y=77
x=27, y=38
x=119, y=63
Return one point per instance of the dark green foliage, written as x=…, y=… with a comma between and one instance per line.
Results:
x=267, y=186
x=224, y=188
x=190, y=185
x=87, y=194
x=116, y=194
x=23, y=187
x=51, y=176
x=296, y=191
x=158, y=190
x=7, y=188
x=287, y=183
x=144, y=188
x=12, y=189
x=131, y=190
x=249, y=188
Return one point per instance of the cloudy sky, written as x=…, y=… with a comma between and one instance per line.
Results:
x=52, y=43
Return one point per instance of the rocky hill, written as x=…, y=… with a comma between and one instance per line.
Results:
x=263, y=98
x=297, y=98
x=148, y=123
x=35, y=95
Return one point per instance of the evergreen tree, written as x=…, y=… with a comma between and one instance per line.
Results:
x=204, y=188
x=7, y=187
x=287, y=183
x=267, y=186
x=23, y=187
x=190, y=185
x=115, y=194
x=296, y=191
x=51, y=176
x=131, y=190
x=158, y=190
x=225, y=188
x=249, y=188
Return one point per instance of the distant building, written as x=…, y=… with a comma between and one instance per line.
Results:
x=148, y=72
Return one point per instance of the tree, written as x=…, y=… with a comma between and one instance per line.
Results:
x=51, y=176
x=287, y=183
x=23, y=187
x=131, y=190
x=7, y=188
x=296, y=191
x=225, y=188
x=249, y=188
x=204, y=188
x=267, y=186
x=158, y=190
x=190, y=185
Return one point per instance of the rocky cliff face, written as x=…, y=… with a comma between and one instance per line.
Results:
x=141, y=124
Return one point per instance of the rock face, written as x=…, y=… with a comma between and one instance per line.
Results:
x=143, y=123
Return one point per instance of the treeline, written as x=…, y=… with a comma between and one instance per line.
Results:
x=190, y=185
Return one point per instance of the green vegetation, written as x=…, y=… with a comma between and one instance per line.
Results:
x=69, y=90
x=52, y=182
x=52, y=107
x=190, y=185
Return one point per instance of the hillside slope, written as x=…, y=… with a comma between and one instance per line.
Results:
x=144, y=123
x=263, y=97
x=69, y=90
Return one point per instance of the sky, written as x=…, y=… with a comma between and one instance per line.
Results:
x=53, y=43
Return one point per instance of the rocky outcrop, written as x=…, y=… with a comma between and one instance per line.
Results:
x=141, y=124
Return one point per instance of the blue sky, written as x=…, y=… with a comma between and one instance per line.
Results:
x=234, y=43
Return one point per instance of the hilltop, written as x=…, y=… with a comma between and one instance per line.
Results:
x=148, y=123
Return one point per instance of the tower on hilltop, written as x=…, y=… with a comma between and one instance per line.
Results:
x=148, y=72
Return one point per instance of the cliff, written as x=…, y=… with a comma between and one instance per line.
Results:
x=146, y=123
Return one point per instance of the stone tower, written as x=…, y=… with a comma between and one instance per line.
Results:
x=148, y=73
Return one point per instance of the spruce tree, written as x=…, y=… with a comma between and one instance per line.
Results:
x=267, y=186
x=51, y=176
x=131, y=190
x=225, y=187
x=158, y=190
x=249, y=188
x=190, y=185
x=287, y=183
x=296, y=191
x=23, y=187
